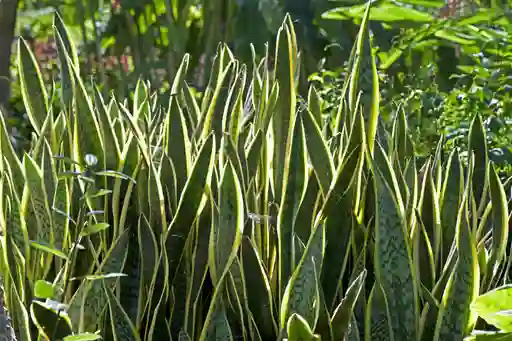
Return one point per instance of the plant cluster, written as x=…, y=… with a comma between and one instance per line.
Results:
x=246, y=215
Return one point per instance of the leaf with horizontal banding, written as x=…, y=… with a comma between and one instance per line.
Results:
x=500, y=225
x=319, y=154
x=294, y=183
x=122, y=327
x=394, y=269
x=455, y=319
x=342, y=315
x=259, y=296
x=302, y=291
x=227, y=232
x=189, y=203
x=33, y=90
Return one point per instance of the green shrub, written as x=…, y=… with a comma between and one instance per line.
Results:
x=248, y=215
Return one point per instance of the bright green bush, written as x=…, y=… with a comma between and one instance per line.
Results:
x=247, y=215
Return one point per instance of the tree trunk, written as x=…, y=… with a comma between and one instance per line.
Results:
x=8, y=10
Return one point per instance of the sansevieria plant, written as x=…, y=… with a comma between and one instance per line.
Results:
x=246, y=215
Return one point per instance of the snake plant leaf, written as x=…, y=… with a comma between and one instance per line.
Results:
x=177, y=143
x=338, y=211
x=180, y=305
x=269, y=107
x=235, y=109
x=237, y=160
x=373, y=111
x=39, y=198
x=259, y=295
x=450, y=200
x=430, y=213
x=184, y=336
x=33, y=90
x=500, y=223
x=394, y=268
x=315, y=105
x=68, y=56
x=309, y=206
x=140, y=98
x=89, y=301
x=423, y=254
x=148, y=251
x=430, y=310
x=219, y=328
x=106, y=124
x=318, y=152
x=302, y=295
x=9, y=156
x=226, y=234
x=294, y=183
x=299, y=330
x=356, y=67
x=342, y=315
x=254, y=154
x=190, y=202
x=122, y=326
x=402, y=144
x=377, y=323
x=199, y=268
x=353, y=332
x=216, y=323
x=217, y=94
x=455, y=319
x=169, y=185
x=284, y=116
x=15, y=232
x=478, y=145
x=324, y=326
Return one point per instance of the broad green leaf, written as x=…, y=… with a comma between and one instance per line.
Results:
x=83, y=337
x=95, y=228
x=494, y=307
x=384, y=11
x=44, y=289
x=48, y=249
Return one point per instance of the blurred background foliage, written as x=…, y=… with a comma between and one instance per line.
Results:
x=442, y=61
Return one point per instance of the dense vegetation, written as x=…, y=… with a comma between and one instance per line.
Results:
x=259, y=192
